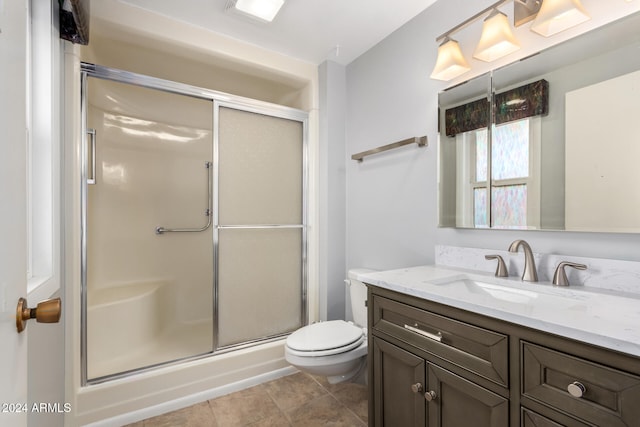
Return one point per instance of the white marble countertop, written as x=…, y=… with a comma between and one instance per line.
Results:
x=591, y=315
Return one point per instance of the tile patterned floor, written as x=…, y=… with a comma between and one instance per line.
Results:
x=295, y=400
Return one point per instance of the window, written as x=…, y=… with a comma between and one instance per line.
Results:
x=43, y=118
x=514, y=181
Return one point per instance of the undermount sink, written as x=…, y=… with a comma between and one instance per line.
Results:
x=541, y=299
x=480, y=287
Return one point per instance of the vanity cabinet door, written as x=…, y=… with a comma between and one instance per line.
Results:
x=398, y=386
x=457, y=402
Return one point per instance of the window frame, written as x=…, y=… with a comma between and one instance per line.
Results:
x=468, y=183
x=43, y=149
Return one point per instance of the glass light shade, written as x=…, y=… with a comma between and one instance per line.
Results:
x=450, y=63
x=558, y=15
x=261, y=9
x=496, y=40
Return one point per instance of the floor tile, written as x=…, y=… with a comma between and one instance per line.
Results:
x=279, y=420
x=294, y=390
x=199, y=415
x=324, y=411
x=354, y=397
x=245, y=407
x=298, y=400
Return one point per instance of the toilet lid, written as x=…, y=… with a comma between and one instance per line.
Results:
x=331, y=337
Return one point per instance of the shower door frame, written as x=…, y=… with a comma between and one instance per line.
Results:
x=263, y=110
x=218, y=99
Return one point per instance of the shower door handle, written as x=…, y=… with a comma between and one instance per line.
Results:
x=91, y=170
x=208, y=212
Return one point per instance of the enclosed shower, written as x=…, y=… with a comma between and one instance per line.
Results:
x=194, y=230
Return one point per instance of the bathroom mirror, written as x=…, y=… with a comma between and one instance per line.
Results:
x=573, y=166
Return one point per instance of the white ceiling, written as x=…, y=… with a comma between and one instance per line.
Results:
x=310, y=30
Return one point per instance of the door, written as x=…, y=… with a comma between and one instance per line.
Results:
x=455, y=401
x=193, y=219
x=398, y=387
x=148, y=248
x=13, y=228
x=260, y=224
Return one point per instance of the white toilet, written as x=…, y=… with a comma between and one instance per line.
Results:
x=336, y=349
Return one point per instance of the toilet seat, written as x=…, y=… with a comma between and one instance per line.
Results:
x=325, y=339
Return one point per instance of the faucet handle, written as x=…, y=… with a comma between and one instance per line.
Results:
x=501, y=268
x=560, y=276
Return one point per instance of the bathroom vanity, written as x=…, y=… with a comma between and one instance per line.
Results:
x=452, y=349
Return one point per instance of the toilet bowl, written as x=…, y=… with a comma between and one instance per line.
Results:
x=336, y=349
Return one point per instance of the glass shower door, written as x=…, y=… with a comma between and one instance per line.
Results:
x=149, y=292
x=260, y=225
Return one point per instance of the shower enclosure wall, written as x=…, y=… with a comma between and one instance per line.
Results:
x=193, y=218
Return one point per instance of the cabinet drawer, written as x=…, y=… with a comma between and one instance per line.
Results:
x=529, y=418
x=610, y=398
x=475, y=349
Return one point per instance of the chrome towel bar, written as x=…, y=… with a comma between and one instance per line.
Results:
x=208, y=212
x=420, y=140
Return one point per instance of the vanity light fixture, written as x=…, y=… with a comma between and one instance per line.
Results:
x=497, y=39
x=450, y=63
x=558, y=15
x=264, y=10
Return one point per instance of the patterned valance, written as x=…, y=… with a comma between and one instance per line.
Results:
x=525, y=101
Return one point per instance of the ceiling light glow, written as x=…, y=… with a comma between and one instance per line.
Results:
x=265, y=10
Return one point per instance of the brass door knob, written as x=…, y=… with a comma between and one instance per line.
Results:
x=47, y=311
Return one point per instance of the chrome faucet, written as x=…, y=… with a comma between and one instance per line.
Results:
x=560, y=276
x=529, y=274
x=501, y=268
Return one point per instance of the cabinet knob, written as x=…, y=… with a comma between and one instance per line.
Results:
x=576, y=389
x=430, y=395
x=416, y=388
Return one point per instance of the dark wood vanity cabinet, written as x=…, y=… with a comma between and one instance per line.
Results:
x=439, y=366
x=409, y=391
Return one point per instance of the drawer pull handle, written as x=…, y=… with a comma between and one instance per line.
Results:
x=576, y=389
x=416, y=388
x=430, y=395
x=435, y=337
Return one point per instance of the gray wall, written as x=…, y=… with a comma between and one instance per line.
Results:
x=391, y=198
x=332, y=187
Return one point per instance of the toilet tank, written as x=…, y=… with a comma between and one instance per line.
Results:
x=358, y=294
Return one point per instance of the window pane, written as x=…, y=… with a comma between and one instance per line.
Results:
x=510, y=150
x=509, y=206
x=480, y=207
x=481, y=155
